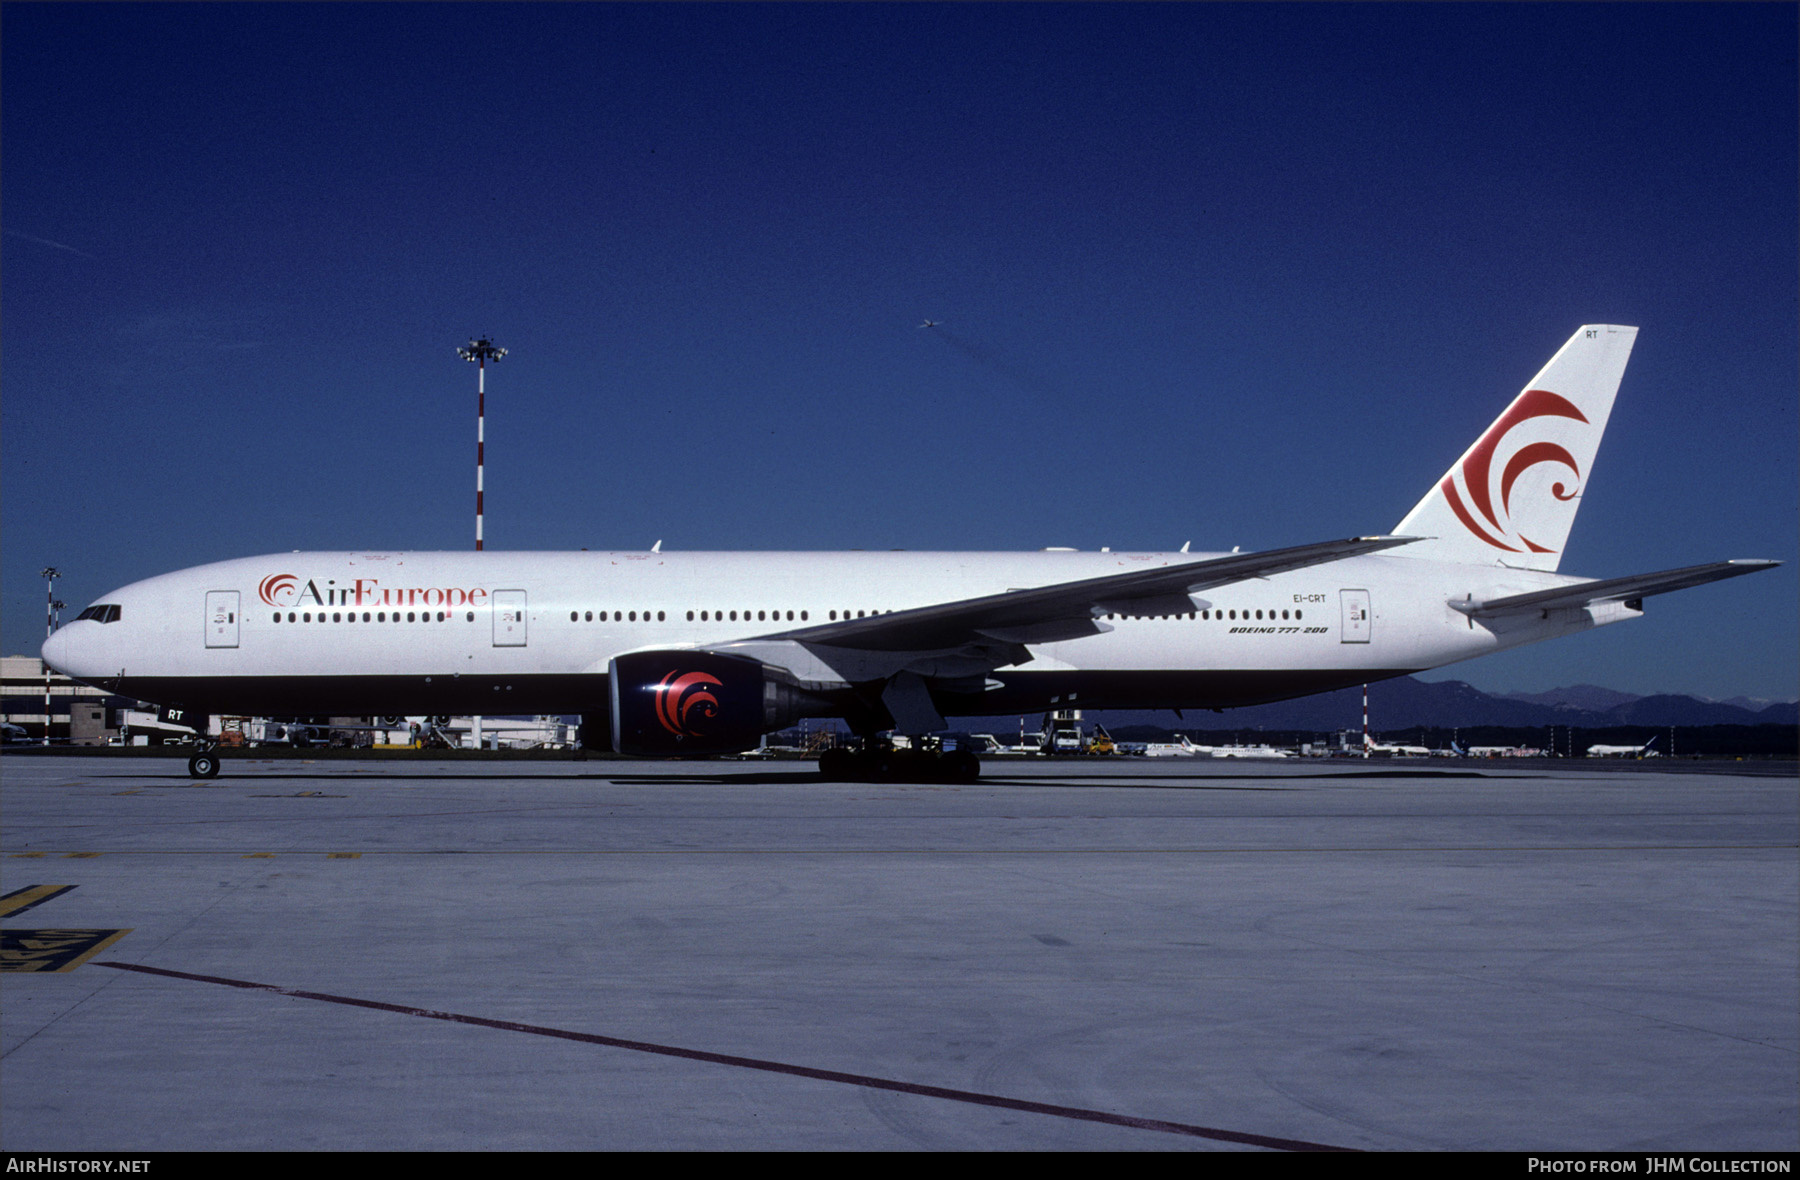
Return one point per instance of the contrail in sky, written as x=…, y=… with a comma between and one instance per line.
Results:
x=984, y=356
x=47, y=242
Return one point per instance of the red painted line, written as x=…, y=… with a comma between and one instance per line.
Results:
x=800, y=1071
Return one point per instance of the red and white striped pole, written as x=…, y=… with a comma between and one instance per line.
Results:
x=50, y=574
x=480, y=352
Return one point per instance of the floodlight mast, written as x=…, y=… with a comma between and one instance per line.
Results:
x=50, y=574
x=480, y=352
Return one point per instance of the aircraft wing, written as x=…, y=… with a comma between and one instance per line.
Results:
x=1627, y=589
x=1068, y=610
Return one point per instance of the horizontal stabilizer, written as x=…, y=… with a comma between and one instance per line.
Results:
x=1627, y=589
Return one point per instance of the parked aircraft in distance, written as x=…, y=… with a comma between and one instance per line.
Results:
x=1643, y=751
x=1391, y=750
x=1181, y=747
x=1250, y=752
x=703, y=653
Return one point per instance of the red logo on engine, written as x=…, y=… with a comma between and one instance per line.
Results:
x=679, y=698
x=1491, y=494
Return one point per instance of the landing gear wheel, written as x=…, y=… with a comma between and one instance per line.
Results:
x=959, y=766
x=873, y=766
x=836, y=764
x=204, y=765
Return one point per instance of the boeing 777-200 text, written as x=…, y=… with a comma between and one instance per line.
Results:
x=702, y=653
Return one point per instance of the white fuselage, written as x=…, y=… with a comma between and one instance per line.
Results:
x=496, y=632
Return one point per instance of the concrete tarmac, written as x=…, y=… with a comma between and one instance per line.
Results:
x=1111, y=954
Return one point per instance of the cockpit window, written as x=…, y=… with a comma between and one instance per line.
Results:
x=101, y=612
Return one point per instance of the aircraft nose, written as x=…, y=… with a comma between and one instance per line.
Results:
x=56, y=651
x=72, y=651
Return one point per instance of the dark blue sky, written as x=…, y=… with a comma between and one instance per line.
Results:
x=1236, y=275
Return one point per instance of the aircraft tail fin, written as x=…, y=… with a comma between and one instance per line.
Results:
x=1511, y=499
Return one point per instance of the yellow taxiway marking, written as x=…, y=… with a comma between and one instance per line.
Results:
x=47, y=950
x=24, y=899
x=53, y=950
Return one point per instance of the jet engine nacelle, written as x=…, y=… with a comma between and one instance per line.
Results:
x=691, y=702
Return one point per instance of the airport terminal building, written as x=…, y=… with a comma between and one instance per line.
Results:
x=79, y=714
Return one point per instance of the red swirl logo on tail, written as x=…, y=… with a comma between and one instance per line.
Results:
x=1490, y=491
x=277, y=584
x=683, y=701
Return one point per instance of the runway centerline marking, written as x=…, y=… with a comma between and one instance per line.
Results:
x=802, y=1071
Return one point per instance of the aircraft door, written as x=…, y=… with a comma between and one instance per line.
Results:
x=1357, y=616
x=221, y=618
x=509, y=618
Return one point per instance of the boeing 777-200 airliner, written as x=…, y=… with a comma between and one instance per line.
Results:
x=702, y=653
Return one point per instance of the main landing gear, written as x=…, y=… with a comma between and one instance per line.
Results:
x=879, y=762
